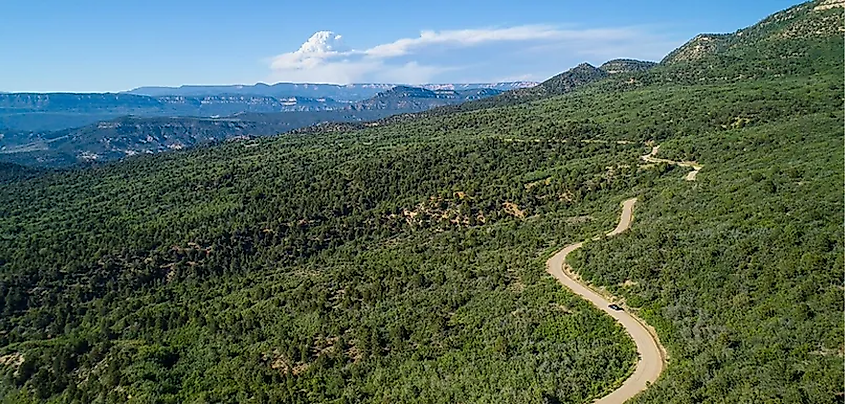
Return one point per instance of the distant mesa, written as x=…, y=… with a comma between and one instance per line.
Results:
x=35, y=123
x=342, y=93
x=113, y=126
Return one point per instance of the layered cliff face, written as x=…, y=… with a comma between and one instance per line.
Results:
x=129, y=136
x=171, y=104
x=57, y=111
x=70, y=102
x=229, y=104
x=343, y=93
x=164, y=123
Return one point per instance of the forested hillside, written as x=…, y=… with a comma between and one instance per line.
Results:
x=287, y=267
x=402, y=261
x=742, y=272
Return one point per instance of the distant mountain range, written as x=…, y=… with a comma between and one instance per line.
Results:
x=128, y=136
x=342, y=93
x=57, y=111
x=61, y=129
x=165, y=123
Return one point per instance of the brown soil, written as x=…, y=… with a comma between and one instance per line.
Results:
x=652, y=354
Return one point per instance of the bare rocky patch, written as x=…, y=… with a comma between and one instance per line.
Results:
x=13, y=360
x=513, y=210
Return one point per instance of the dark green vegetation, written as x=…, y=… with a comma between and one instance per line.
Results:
x=298, y=263
x=404, y=98
x=403, y=262
x=742, y=272
x=10, y=172
x=566, y=82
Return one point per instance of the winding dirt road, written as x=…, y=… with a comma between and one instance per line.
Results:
x=652, y=358
x=692, y=164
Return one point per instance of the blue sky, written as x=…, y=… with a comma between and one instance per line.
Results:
x=98, y=45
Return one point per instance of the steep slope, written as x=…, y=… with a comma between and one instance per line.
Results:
x=579, y=76
x=758, y=317
x=782, y=32
x=256, y=232
x=803, y=40
x=568, y=81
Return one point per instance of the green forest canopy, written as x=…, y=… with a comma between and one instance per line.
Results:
x=404, y=262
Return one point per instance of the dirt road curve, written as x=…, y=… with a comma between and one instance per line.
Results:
x=652, y=358
x=689, y=177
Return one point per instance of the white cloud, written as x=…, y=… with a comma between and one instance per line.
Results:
x=321, y=46
x=467, y=37
x=324, y=57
